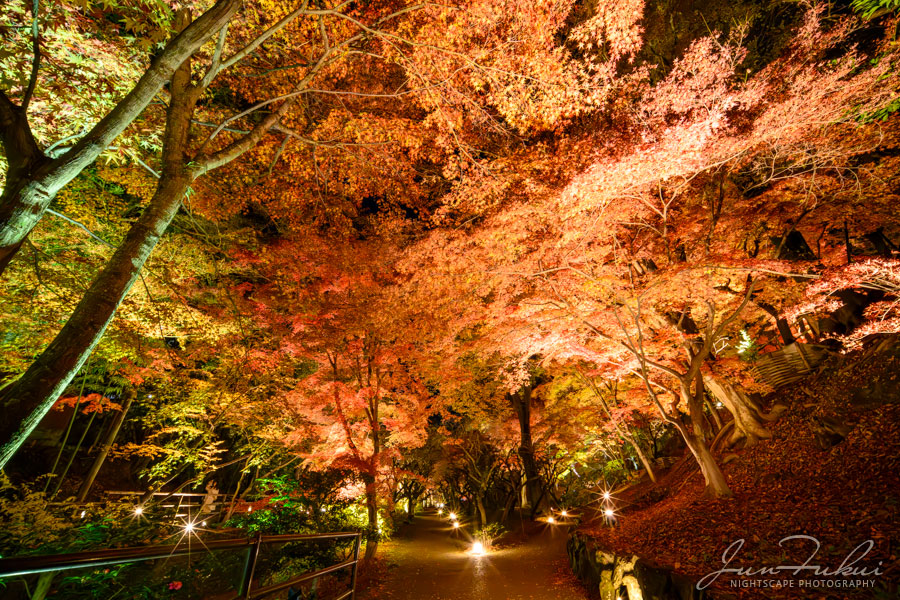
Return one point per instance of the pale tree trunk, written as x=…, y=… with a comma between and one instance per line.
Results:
x=715, y=414
x=643, y=458
x=748, y=420
x=696, y=403
x=33, y=179
x=30, y=397
x=107, y=446
x=716, y=485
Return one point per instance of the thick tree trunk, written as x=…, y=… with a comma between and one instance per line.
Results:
x=521, y=402
x=42, y=587
x=27, y=400
x=748, y=421
x=716, y=485
x=33, y=179
x=107, y=446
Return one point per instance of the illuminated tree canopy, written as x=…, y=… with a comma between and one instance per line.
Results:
x=481, y=251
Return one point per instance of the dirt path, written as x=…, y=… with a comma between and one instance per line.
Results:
x=430, y=561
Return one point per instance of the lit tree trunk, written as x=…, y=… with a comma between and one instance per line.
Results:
x=693, y=399
x=27, y=400
x=645, y=462
x=42, y=586
x=715, y=413
x=784, y=328
x=521, y=402
x=716, y=485
x=107, y=446
x=33, y=179
x=748, y=419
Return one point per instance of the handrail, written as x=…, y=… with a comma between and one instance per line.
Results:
x=276, y=587
x=30, y=565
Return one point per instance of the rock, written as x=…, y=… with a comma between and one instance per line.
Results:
x=828, y=432
x=627, y=577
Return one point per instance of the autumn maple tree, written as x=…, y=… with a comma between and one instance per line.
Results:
x=504, y=255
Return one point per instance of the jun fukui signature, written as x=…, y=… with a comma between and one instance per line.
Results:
x=846, y=569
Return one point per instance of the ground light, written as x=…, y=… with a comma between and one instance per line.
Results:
x=478, y=549
x=440, y=511
x=608, y=512
x=455, y=524
x=138, y=510
x=551, y=520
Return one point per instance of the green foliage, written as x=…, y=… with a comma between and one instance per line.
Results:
x=869, y=9
x=746, y=347
x=27, y=524
x=882, y=114
x=308, y=504
x=614, y=471
x=204, y=575
x=489, y=533
x=30, y=524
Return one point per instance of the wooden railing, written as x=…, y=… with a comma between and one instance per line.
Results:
x=789, y=364
x=31, y=565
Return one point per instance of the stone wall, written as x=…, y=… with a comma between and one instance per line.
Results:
x=611, y=577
